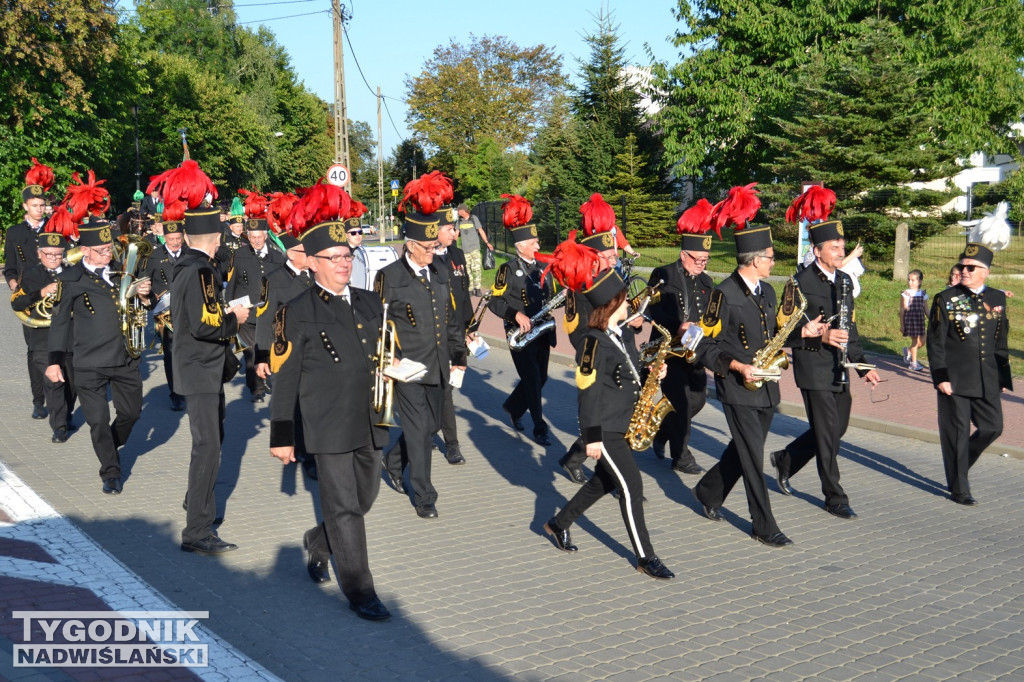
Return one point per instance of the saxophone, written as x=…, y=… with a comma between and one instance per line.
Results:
x=540, y=323
x=771, y=360
x=648, y=414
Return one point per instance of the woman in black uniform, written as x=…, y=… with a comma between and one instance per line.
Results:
x=608, y=378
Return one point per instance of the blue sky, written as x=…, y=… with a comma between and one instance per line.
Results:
x=393, y=39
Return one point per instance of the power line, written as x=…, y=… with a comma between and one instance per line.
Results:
x=367, y=84
x=290, y=16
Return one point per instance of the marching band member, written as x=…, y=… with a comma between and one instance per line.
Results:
x=324, y=340
x=421, y=305
x=160, y=270
x=519, y=293
x=818, y=354
x=608, y=379
x=739, y=321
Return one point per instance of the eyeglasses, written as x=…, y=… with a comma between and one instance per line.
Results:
x=355, y=232
x=429, y=246
x=51, y=255
x=768, y=258
x=100, y=252
x=967, y=268
x=337, y=258
x=698, y=261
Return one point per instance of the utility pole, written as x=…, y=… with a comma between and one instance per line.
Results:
x=340, y=111
x=380, y=172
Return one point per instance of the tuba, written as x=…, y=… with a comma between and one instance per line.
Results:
x=540, y=323
x=648, y=414
x=771, y=360
x=133, y=315
x=383, y=386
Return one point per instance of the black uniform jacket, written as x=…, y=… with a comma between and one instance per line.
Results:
x=455, y=261
x=608, y=388
x=679, y=292
x=816, y=365
x=202, y=332
x=577, y=315
x=426, y=324
x=736, y=326
x=160, y=268
x=518, y=289
x=974, y=359
x=248, y=272
x=33, y=279
x=323, y=359
x=96, y=337
x=282, y=285
x=20, y=250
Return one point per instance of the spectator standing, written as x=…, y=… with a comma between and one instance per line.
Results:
x=472, y=233
x=912, y=315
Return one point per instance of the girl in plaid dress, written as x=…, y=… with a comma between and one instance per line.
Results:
x=912, y=318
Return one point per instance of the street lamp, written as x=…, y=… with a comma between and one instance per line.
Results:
x=138, y=172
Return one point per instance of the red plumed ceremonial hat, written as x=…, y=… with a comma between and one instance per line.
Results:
x=814, y=205
x=598, y=215
x=516, y=214
x=86, y=198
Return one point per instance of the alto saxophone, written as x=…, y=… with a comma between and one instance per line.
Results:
x=771, y=360
x=648, y=414
x=540, y=323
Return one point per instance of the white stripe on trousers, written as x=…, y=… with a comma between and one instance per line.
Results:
x=624, y=489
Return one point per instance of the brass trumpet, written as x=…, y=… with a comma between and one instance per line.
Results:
x=383, y=386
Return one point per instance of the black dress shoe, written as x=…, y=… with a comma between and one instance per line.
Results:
x=71, y=428
x=396, y=481
x=773, y=540
x=781, y=476
x=541, y=439
x=713, y=513
x=517, y=423
x=371, y=610
x=692, y=468
x=659, y=448
x=575, y=473
x=316, y=566
x=211, y=544
x=964, y=498
x=39, y=412
x=563, y=540
x=843, y=511
x=112, y=486
x=653, y=567
x=60, y=436
x=426, y=511
x=454, y=455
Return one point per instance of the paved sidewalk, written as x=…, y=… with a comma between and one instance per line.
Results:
x=917, y=587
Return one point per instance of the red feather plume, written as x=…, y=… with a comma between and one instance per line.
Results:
x=572, y=264
x=281, y=205
x=696, y=219
x=356, y=210
x=86, y=197
x=814, y=205
x=516, y=211
x=256, y=204
x=598, y=215
x=429, y=192
x=174, y=211
x=157, y=182
x=39, y=174
x=320, y=203
x=62, y=223
x=737, y=209
x=188, y=183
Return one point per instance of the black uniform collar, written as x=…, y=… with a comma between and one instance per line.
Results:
x=822, y=275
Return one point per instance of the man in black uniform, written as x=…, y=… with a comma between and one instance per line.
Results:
x=233, y=238
x=685, y=289
x=520, y=292
x=418, y=292
x=161, y=271
x=203, y=361
x=20, y=246
x=450, y=256
x=970, y=367
x=38, y=283
x=323, y=361
x=250, y=266
x=739, y=321
x=818, y=368
x=89, y=293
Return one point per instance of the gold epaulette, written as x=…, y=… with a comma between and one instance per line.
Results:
x=500, y=281
x=711, y=321
x=282, y=347
x=264, y=296
x=572, y=320
x=585, y=373
x=211, y=314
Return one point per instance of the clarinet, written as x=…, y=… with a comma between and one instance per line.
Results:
x=843, y=323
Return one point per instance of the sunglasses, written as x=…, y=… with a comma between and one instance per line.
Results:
x=968, y=268
x=355, y=232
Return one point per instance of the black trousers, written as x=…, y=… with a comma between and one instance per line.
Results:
x=616, y=469
x=167, y=339
x=206, y=421
x=828, y=414
x=36, y=377
x=60, y=398
x=349, y=482
x=686, y=387
x=577, y=454
x=126, y=391
x=448, y=428
x=247, y=336
x=532, y=365
x=744, y=456
x=419, y=406
x=961, y=448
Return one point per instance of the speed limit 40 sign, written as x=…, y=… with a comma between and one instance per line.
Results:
x=338, y=175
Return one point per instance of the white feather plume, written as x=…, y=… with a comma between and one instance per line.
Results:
x=993, y=230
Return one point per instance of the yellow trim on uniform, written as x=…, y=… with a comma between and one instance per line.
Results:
x=276, y=361
x=500, y=281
